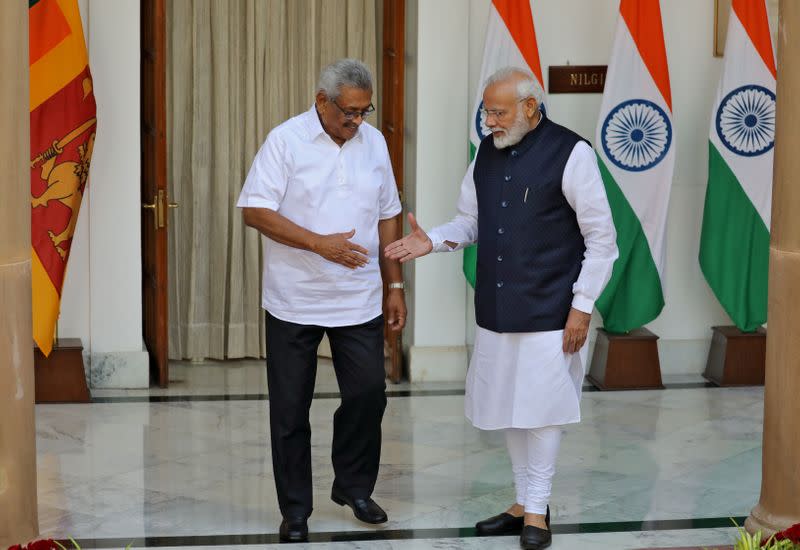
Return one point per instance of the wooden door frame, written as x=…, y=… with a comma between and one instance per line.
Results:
x=392, y=50
x=393, y=127
x=153, y=186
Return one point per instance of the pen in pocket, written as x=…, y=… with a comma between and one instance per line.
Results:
x=525, y=199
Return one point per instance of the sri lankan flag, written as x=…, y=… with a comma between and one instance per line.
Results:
x=63, y=124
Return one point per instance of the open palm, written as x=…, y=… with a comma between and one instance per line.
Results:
x=415, y=244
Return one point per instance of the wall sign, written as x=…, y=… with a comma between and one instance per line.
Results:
x=576, y=79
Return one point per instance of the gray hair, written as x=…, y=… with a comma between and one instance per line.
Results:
x=351, y=73
x=527, y=86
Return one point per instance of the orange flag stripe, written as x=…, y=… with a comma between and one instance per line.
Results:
x=517, y=16
x=47, y=18
x=753, y=15
x=61, y=64
x=643, y=18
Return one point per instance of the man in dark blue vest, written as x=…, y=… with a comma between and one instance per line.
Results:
x=535, y=203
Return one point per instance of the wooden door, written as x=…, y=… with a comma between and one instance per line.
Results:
x=154, y=188
x=155, y=204
x=393, y=98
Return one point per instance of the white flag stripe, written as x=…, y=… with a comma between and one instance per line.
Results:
x=744, y=66
x=500, y=51
x=647, y=192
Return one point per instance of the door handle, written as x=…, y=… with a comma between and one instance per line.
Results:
x=154, y=208
x=159, y=208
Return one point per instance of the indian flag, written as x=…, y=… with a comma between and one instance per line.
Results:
x=510, y=41
x=635, y=147
x=734, y=244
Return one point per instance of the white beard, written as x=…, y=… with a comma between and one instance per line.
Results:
x=514, y=134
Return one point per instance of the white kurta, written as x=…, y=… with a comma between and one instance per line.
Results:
x=525, y=380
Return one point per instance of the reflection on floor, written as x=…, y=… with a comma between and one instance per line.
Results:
x=198, y=473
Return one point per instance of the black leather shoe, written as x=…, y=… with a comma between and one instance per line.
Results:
x=534, y=538
x=501, y=524
x=364, y=509
x=294, y=530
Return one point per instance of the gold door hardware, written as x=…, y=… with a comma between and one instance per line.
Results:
x=159, y=208
x=154, y=207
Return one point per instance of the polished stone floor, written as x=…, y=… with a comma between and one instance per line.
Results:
x=190, y=467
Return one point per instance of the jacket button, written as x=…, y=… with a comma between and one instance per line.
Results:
x=500, y=258
x=504, y=204
x=507, y=178
x=500, y=231
x=514, y=153
x=499, y=284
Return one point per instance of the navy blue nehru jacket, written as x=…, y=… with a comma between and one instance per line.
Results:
x=530, y=247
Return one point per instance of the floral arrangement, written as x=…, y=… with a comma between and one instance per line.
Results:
x=788, y=539
x=48, y=544
x=791, y=534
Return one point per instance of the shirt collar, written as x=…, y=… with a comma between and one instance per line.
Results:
x=529, y=138
x=315, y=129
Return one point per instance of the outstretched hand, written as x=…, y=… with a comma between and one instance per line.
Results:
x=415, y=244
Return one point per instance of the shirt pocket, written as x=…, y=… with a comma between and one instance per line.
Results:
x=541, y=197
x=368, y=181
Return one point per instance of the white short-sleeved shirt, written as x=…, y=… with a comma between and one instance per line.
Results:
x=302, y=174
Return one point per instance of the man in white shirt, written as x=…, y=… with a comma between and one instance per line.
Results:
x=535, y=203
x=322, y=192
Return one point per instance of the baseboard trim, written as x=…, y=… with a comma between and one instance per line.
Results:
x=119, y=370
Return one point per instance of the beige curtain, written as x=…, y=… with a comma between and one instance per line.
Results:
x=235, y=70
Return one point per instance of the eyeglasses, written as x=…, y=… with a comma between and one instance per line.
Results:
x=499, y=114
x=351, y=115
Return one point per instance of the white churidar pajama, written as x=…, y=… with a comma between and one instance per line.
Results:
x=533, y=461
x=524, y=382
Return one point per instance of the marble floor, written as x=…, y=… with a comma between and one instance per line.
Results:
x=190, y=467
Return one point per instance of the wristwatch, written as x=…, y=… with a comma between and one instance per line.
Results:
x=399, y=285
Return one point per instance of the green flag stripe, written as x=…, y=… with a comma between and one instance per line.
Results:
x=734, y=247
x=633, y=296
x=470, y=265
